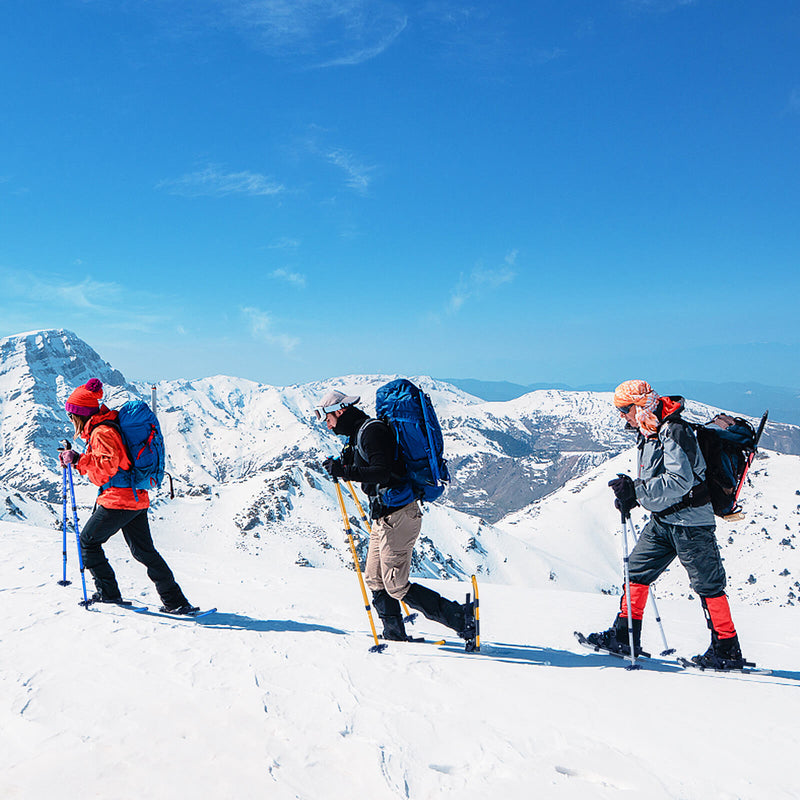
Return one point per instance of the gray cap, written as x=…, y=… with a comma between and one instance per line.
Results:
x=333, y=401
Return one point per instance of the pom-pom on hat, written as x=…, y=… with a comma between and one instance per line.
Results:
x=85, y=400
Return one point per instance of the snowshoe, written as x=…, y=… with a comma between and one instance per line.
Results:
x=186, y=609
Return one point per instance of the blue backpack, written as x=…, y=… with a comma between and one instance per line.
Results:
x=141, y=434
x=410, y=415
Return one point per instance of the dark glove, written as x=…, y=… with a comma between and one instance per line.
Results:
x=67, y=457
x=625, y=494
x=334, y=467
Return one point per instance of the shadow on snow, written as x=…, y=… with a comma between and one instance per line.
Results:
x=241, y=622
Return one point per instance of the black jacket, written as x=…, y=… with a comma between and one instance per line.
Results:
x=374, y=465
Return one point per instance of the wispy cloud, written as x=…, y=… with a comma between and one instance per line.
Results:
x=320, y=32
x=262, y=328
x=215, y=182
x=793, y=104
x=480, y=280
x=659, y=6
x=545, y=55
x=284, y=243
x=357, y=175
x=86, y=294
x=295, y=278
x=56, y=297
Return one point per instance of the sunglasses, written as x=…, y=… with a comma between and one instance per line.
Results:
x=625, y=409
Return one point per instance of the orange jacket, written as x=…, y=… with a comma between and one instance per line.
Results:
x=105, y=455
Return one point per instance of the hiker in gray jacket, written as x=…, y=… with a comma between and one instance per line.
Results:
x=670, y=484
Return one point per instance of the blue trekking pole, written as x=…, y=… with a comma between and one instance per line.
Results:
x=86, y=601
x=64, y=581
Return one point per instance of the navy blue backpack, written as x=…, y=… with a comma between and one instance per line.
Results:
x=409, y=413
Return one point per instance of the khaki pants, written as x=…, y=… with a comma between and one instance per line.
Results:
x=391, y=545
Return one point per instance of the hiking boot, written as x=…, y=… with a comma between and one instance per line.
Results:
x=469, y=628
x=391, y=615
x=615, y=639
x=185, y=609
x=721, y=654
x=99, y=597
x=447, y=612
x=394, y=629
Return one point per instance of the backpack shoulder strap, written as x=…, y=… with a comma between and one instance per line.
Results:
x=360, y=435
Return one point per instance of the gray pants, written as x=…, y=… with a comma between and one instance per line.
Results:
x=391, y=545
x=695, y=546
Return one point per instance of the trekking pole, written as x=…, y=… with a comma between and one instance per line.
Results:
x=86, y=601
x=667, y=651
x=625, y=516
x=409, y=617
x=378, y=646
x=65, y=445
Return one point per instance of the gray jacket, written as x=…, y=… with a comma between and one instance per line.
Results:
x=670, y=464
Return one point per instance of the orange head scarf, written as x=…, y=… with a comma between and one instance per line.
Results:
x=640, y=394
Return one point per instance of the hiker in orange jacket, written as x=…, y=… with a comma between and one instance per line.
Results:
x=118, y=507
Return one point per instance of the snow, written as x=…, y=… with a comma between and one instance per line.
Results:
x=278, y=695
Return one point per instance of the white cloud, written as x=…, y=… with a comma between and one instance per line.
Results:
x=544, y=55
x=55, y=297
x=357, y=174
x=285, y=243
x=214, y=182
x=325, y=33
x=479, y=280
x=793, y=105
x=296, y=278
x=261, y=328
x=88, y=294
x=659, y=6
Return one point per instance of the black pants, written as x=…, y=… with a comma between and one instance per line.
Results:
x=102, y=525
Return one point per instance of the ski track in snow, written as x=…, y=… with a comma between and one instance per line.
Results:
x=278, y=696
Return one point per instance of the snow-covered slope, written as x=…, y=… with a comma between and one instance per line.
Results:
x=278, y=696
x=579, y=525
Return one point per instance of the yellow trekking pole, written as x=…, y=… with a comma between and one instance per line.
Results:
x=409, y=617
x=378, y=646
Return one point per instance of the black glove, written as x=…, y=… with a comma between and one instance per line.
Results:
x=625, y=494
x=334, y=467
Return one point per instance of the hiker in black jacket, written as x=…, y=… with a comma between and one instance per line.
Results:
x=370, y=458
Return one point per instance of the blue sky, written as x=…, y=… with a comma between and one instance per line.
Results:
x=524, y=191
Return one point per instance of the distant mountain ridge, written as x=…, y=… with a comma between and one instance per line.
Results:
x=246, y=463
x=751, y=399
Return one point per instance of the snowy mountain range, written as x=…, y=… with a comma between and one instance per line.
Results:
x=277, y=694
x=528, y=502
